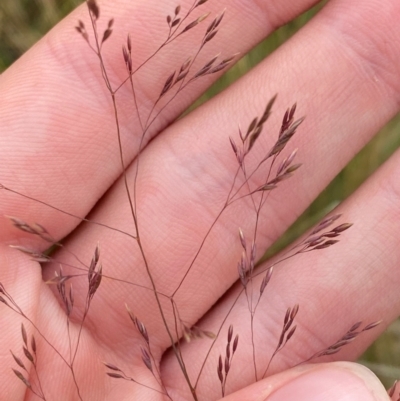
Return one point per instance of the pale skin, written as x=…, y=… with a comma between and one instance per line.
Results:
x=59, y=145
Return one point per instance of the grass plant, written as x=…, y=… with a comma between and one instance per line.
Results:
x=257, y=176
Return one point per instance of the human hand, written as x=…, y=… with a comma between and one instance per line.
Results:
x=60, y=146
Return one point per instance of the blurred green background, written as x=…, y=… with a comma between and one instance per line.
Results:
x=23, y=22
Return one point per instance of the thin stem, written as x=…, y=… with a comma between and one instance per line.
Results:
x=149, y=274
x=216, y=337
x=19, y=311
x=169, y=40
x=82, y=219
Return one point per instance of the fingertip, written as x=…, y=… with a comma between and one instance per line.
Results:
x=339, y=381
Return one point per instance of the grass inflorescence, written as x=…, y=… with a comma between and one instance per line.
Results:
x=273, y=166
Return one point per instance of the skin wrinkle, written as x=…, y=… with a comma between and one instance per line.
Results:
x=369, y=53
x=390, y=188
x=279, y=13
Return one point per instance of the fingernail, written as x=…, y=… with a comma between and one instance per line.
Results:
x=329, y=384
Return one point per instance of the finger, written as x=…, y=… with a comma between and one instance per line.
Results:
x=176, y=208
x=355, y=280
x=38, y=342
x=335, y=381
x=14, y=265
x=58, y=121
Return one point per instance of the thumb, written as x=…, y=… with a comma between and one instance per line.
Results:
x=339, y=381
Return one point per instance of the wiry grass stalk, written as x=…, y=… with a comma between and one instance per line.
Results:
x=245, y=185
